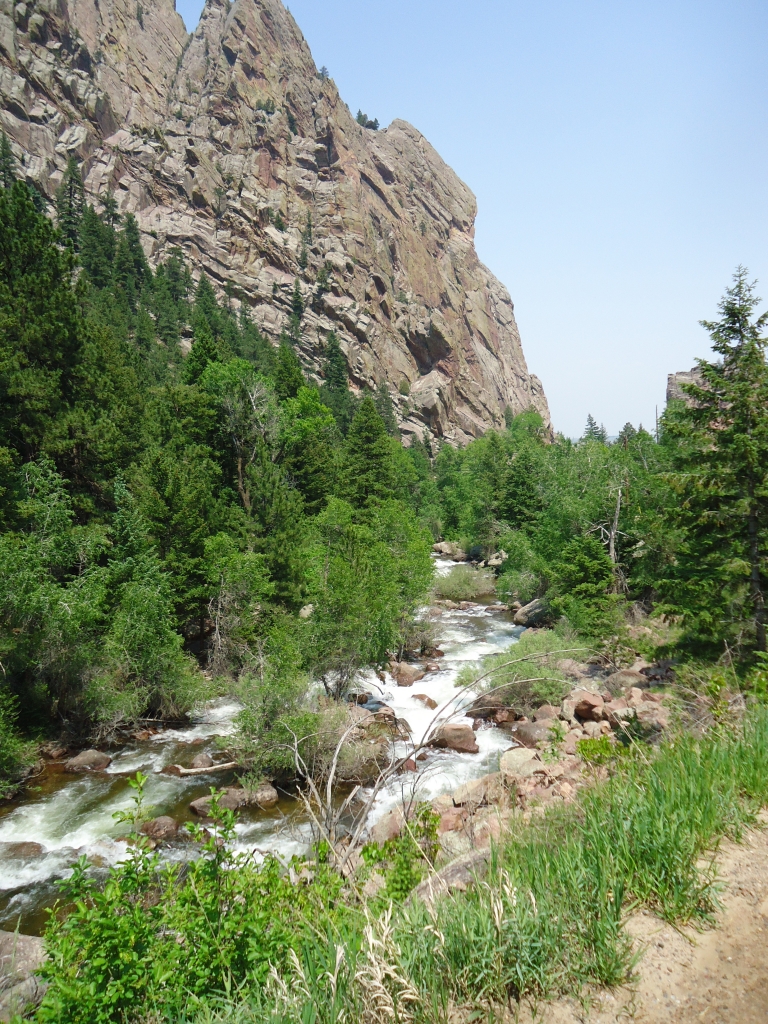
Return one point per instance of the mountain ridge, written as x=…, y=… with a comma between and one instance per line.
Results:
x=226, y=142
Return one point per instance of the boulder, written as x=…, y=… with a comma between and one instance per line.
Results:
x=520, y=763
x=451, y=819
x=460, y=738
x=497, y=560
x=234, y=799
x=625, y=679
x=457, y=876
x=594, y=730
x=89, y=761
x=546, y=711
x=389, y=826
x=20, y=988
x=422, y=698
x=202, y=761
x=571, y=741
x=22, y=851
x=409, y=765
x=450, y=549
x=572, y=669
x=653, y=717
x=618, y=711
x=587, y=706
x=160, y=829
x=532, y=613
x=406, y=674
x=530, y=733
x=486, y=790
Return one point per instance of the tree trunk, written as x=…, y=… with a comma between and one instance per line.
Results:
x=756, y=589
x=614, y=530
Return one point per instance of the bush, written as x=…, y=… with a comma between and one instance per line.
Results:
x=526, y=676
x=15, y=754
x=464, y=583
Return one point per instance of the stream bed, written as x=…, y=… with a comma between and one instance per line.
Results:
x=64, y=816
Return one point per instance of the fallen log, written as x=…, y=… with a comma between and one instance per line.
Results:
x=176, y=769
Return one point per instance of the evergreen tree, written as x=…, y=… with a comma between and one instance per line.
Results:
x=7, y=162
x=110, y=213
x=131, y=270
x=253, y=346
x=386, y=409
x=370, y=475
x=204, y=351
x=720, y=451
x=207, y=306
x=40, y=329
x=70, y=203
x=97, y=248
x=288, y=376
x=593, y=432
x=277, y=517
x=335, y=389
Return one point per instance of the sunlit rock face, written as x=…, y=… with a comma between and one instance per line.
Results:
x=228, y=143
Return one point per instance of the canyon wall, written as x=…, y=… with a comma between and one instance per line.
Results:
x=229, y=144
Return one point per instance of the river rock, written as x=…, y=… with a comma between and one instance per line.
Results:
x=460, y=738
x=22, y=851
x=451, y=819
x=515, y=761
x=594, y=730
x=625, y=679
x=89, y=761
x=530, y=733
x=406, y=674
x=546, y=711
x=570, y=746
x=160, y=829
x=234, y=799
x=532, y=613
x=422, y=698
x=389, y=826
x=457, y=876
x=20, y=957
x=587, y=706
x=203, y=761
x=653, y=716
x=486, y=790
x=450, y=549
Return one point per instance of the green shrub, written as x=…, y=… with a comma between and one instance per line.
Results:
x=15, y=754
x=465, y=583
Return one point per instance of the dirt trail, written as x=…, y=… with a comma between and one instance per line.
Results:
x=718, y=976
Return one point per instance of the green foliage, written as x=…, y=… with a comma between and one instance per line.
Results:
x=718, y=440
x=15, y=754
x=465, y=583
x=7, y=163
x=70, y=203
x=370, y=472
x=527, y=676
x=288, y=375
x=366, y=122
x=405, y=860
x=176, y=940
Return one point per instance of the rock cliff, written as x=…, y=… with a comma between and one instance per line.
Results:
x=230, y=144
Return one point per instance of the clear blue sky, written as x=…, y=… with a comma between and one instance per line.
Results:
x=619, y=153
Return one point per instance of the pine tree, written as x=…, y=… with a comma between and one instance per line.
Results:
x=97, y=248
x=110, y=213
x=70, y=203
x=719, y=439
x=335, y=389
x=594, y=433
x=204, y=351
x=370, y=475
x=131, y=270
x=386, y=409
x=7, y=162
x=207, y=306
x=288, y=376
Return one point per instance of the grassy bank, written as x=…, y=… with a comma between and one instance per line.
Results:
x=216, y=945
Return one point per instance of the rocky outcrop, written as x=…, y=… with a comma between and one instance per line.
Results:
x=675, y=382
x=229, y=144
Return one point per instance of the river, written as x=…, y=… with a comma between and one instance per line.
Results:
x=70, y=815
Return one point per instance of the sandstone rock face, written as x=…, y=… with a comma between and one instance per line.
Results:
x=207, y=138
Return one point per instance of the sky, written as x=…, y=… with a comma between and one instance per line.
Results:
x=618, y=150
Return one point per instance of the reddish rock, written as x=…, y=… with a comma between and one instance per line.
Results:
x=422, y=698
x=460, y=738
x=160, y=829
x=587, y=706
x=451, y=820
x=409, y=765
x=406, y=674
x=89, y=761
x=546, y=711
x=486, y=790
x=530, y=734
x=625, y=679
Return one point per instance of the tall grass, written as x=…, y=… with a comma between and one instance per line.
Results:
x=465, y=583
x=549, y=917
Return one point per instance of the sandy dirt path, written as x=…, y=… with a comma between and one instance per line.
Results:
x=719, y=976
